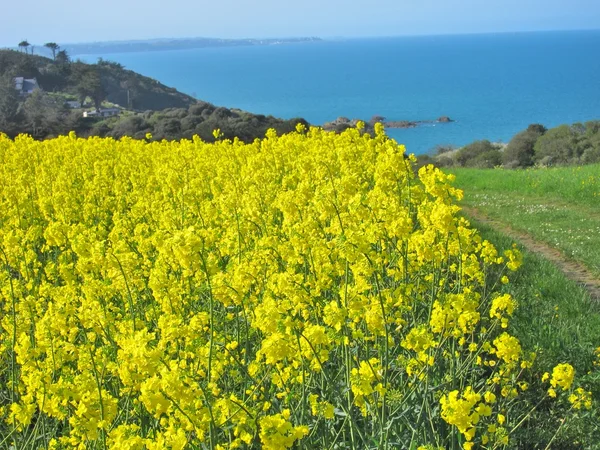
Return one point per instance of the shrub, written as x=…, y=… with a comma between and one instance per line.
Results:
x=465, y=157
x=486, y=160
x=129, y=126
x=443, y=148
x=168, y=128
x=591, y=155
x=558, y=145
x=520, y=150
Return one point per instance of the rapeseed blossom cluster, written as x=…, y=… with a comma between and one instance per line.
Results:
x=307, y=289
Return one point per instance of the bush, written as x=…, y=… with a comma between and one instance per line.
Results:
x=129, y=126
x=443, y=148
x=487, y=160
x=466, y=156
x=591, y=155
x=103, y=128
x=168, y=129
x=424, y=160
x=190, y=122
x=520, y=150
x=198, y=108
x=560, y=145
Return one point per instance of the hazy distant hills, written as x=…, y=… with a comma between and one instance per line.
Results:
x=167, y=44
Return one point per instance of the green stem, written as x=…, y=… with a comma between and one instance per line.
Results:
x=129, y=296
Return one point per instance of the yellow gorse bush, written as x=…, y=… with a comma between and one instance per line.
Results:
x=306, y=289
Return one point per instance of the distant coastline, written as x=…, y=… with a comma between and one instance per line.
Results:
x=156, y=45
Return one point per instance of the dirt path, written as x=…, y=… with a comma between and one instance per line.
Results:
x=572, y=269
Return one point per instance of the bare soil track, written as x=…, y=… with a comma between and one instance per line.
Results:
x=572, y=269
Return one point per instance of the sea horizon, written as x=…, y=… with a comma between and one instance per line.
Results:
x=324, y=37
x=489, y=83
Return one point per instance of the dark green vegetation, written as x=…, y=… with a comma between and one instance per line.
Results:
x=147, y=106
x=557, y=318
x=559, y=206
x=536, y=145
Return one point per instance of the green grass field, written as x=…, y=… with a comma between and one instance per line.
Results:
x=559, y=206
x=556, y=316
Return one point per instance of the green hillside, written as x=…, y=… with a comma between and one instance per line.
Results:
x=64, y=76
x=143, y=104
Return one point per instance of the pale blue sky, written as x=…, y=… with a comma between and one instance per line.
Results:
x=70, y=21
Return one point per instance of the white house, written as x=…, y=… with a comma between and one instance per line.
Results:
x=26, y=86
x=106, y=112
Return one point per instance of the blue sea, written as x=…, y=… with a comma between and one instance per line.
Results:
x=492, y=85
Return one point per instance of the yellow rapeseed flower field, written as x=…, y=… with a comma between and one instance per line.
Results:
x=307, y=290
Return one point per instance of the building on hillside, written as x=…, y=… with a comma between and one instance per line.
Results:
x=104, y=112
x=26, y=86
x=73, y=104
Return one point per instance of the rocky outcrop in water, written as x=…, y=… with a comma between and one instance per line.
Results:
x=342, y=123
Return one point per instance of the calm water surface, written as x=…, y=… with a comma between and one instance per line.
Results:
x=492, y=85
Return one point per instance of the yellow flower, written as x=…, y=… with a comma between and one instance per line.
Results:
x=183, y=294
x=502, y=304
x=459, y=410
x=489, y=397
x=545, y=377
x=562, y=376
x=277, y=433
x=515, y=258
x=508, y=348
x=581, y=399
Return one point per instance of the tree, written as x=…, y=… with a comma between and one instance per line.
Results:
x=53, y=46
x=88, y=84
x=592, y=128
x=9, y=103
x=24, y=45
x=62, y=57
x=42, y=114
x=520, y=150
x=537, y=128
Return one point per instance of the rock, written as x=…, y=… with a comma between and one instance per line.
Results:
x=400, y=124
x=341, y=120
x=377, y=119
x=342, y=123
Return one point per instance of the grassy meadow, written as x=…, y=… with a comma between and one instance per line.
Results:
x=559, y=206
x=556, y=318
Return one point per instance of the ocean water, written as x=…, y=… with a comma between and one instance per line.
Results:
x=492, y=85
